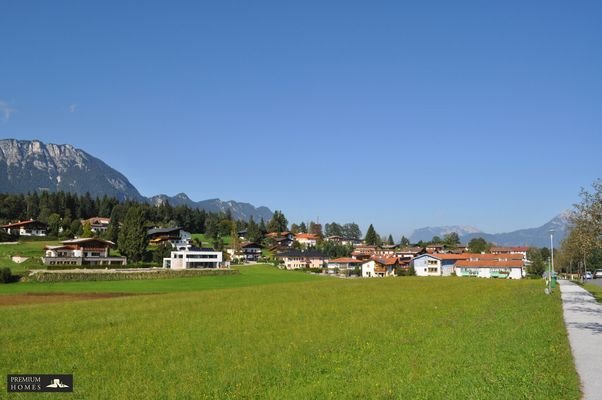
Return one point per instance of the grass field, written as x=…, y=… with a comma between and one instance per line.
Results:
x=299, y=337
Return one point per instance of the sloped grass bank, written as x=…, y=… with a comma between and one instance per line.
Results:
x=400, y=338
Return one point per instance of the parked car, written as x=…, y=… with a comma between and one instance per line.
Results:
x=588, y=275
x=598, y=273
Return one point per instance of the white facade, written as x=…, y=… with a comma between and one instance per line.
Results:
x=185, y=259
x=491, y=272
x=372, y=269
x=430, y=265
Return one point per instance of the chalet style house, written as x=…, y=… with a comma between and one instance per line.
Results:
x=194, y=257
x=84, y=251
x=251, y=251
x=379, y=267
x=31, y=227
x=178, y=237
x=307, y=239
x=98, y=225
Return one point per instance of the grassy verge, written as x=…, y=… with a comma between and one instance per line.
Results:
x=595, y=290
x=399, y=338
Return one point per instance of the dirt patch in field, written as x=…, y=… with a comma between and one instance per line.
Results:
x=42, y=298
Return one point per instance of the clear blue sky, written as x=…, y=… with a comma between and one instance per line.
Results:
x=401, y=114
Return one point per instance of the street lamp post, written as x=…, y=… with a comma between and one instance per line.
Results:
x=551, y=256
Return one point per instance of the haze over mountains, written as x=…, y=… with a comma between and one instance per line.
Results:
x=539, y=236
x=28, y=166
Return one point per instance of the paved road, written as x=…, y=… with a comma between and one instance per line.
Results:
x=583, y=319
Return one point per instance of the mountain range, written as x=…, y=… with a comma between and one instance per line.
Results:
x=30, y=166
x=539, y=237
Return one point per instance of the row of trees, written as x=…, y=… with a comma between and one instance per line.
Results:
x=581, y=250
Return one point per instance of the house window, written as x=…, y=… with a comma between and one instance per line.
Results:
x=432, y=270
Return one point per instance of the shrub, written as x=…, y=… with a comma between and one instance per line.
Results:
x=5, y=275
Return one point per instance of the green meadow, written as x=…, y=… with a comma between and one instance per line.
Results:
x=288, y=335
x=32, y=249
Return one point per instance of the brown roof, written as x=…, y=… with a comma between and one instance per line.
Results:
x=23, y=223
x=385, y=260
x=447, y=256
x=309, y=236
x=509, y=249
x=489, y=263
x=494, y=256
x=275, y=234
x=346, y=260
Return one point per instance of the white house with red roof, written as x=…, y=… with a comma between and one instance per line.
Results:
x=491, y=268
x=379, y=267
x=307, y=239
x=343, y=264
x=83, y=251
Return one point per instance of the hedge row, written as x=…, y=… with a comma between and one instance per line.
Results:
x=111, y=267
x=118, y=276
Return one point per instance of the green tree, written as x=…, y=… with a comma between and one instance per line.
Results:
x=76, y=227
x=253, y=232
x=478, y=245
x=451, y=239
x=390, y=241
x=436, y=240
x=302, y=227
x=537, y=265
x=278, y=223
x=404, y=242
x=352, y=231
x=132, y=239
x=371, y=236
x=87, y=230
x=162, y=251
x=54, y=225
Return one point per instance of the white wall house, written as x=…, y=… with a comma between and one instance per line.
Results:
x=379, y=267
x=307, y=239
x=297, y=259
x=193, y=258
x=83, y=251
x=512, y=269
x=436, y=264
x=343, y=264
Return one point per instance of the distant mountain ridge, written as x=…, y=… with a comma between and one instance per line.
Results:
x=539, y=237
x=427, y=233
x=239, y=210
x=31, y=166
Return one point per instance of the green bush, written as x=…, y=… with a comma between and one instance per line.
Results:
x=5, y=275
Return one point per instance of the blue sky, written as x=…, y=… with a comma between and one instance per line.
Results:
x=400, y=114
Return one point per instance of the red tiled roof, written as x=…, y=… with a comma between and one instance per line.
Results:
x=309, y=236
x=494, y=256
x=489, y=263
x=385, y=260
x=446, y=256
x=346, y=260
